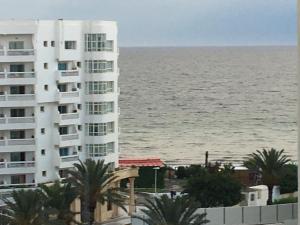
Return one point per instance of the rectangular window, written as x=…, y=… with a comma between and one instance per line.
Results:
x=17, y=68
x=64, y=151
x=99, y=108
x=17, y=90
x=97, y=42
x=98, y=66
x=98, y=150
x=62, y=66
x=17, y=112
x=52, y=43
x=99, y=129
x=17, y=134
x=70, y=44
x=99, y=87
x=16, y=45
x=45, y=43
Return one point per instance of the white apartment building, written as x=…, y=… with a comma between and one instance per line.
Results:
x=58, y=98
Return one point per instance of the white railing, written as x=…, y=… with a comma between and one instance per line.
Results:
x=17, y=75
x=17, y=185
x=69, y=116
x=11, y=142
x=16, y=97
x=19, y=52
x=69, y=158
x=69, y=73
x=9, y=120
x=70, y=94
x=17, y=164
x=68, y=137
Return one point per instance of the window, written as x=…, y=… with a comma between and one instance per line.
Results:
x=97, y=42
x=64, y=151
x=17, y=134
x=52, y=43
x=252, y=197
x=17, y=156
x=78, y=64
x=43, y=152
x=46, y=87
x=17, y=112
x=99, y=108
x=99, y=129
x=62, y=66
x=78, y=85
x=16, y=90
x=70, y=44
x=42, y=109
x=98, y=66
x=18, y=179
x=98, y=150
x=44, y=173
x=17, y=68
x=45, y=65
x=79, y=106
x=62, y=87
x=79, y=148
x=45, y=43
x=62, y=109
x=42, y=130
x=16, y=45
x=63, y=130
x=79, y=127
x=99, y=87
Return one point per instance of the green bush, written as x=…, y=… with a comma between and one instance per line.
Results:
x=286, y=200
x=146, y=178
x=288, y=181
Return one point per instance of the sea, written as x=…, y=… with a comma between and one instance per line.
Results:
x=176, y=103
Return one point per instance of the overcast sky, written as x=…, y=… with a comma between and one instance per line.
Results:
x=174, y=22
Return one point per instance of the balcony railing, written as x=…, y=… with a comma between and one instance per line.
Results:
x=69, y=94
x=69, y=158
x=12, y=142
x=69, y=73
x=18, y=164
x=20, y=185
x=11, y=120
x=69, y=116
x=19, y=52
x=17, y=75
x=16, y=97
x=68, y=137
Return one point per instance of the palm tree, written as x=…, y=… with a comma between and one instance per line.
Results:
x=268, y=163
x=58, y=198
x=93, y=181
x=25, y=207
x=168, y=211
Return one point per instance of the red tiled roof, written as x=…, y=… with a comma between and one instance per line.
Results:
x=140, y=162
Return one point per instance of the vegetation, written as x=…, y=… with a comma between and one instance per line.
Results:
x=26, y=208
x=286, y=200
x=269, y=163
x=167, y=211
x=214, y=189
x=92, y=181
x=57, y=200
x=146, y=178
x=288, y=180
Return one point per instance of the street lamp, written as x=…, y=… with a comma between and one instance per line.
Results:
x=155, y=179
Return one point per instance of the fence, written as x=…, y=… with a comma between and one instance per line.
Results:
x=249, y=215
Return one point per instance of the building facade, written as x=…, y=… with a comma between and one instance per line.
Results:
x=58, y=98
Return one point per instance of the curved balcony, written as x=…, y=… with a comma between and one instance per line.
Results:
x=66, y=118
x=66, y=161
x=68, y=97
x=10, y=145
x=65, y=140
x=68, y=76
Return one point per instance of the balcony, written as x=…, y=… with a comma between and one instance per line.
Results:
x=67, y=118
x=17, y=167
x=65, y=140
x=16, y=55
x=11, y=145
x=12, y=78
x=11, y=100
x=68, y=97
x=68, y=76
x=8, y=123
x=66, y=161
x=20, y=185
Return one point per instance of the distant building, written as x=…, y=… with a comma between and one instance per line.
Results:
x=255, y=196
x=58, y=98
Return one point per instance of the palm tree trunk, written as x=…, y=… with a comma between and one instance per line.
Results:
x=270, y=198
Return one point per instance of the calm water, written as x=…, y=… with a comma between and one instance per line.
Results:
x=177, y=103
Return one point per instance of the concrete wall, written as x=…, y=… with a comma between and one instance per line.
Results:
x=246, y=215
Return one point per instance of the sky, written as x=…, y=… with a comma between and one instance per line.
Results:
x=174, y=22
